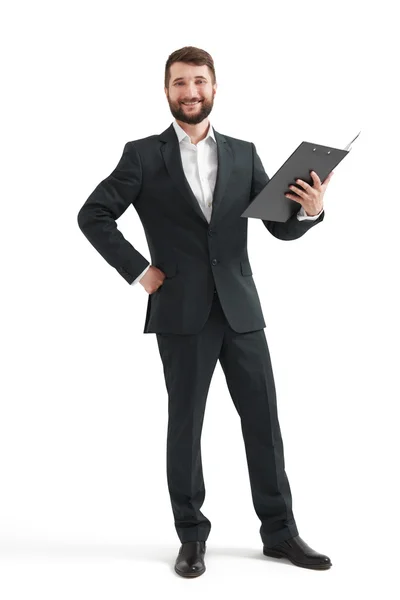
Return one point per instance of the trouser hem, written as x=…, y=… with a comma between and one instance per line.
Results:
x=277, y=537
x=193, y=534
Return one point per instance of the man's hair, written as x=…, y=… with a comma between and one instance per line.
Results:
x=189, y=54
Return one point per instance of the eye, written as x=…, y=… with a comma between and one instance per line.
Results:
x=179, y=82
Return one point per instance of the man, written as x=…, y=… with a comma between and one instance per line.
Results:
x=189, y=186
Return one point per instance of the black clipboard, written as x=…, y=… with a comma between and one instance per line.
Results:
x=271, y=203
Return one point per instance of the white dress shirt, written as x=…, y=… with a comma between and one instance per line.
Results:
x=200, y=163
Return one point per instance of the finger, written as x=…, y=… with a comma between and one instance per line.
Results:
x=295, y=198
x=303, y=184
x=298, y=191
x=316, y=179
x=327, y=180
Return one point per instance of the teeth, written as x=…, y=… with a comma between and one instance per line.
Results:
x=191, y=103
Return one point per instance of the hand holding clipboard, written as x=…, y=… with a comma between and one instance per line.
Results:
x=273, y=204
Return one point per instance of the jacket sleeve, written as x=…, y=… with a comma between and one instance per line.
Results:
x=293, y=228
x=108, y=201
x=139, y=277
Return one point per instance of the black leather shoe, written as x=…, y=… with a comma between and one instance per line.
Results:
x=190, y=559
x=299, y=553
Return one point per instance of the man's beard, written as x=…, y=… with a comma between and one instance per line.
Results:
x=180, y=113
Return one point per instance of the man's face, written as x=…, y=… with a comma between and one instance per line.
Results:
x=190, y=83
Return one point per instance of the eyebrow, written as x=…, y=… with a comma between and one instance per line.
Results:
x=197, y=77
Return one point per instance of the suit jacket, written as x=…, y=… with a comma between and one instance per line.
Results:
x=196, y=256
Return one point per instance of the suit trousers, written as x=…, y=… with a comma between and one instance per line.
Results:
x=188, y=363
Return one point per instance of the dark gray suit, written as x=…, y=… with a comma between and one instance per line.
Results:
x=207, y=309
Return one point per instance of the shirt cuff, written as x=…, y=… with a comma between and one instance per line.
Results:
x=302, y=216
x=139, y=277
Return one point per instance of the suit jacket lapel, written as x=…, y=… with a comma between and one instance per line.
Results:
x=172, y=157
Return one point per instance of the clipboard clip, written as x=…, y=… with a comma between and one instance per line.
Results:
x=348, y=147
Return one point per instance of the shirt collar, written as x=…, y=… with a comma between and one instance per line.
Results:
x=181, y=133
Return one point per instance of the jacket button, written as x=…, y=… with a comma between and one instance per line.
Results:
x=210, y=232
x=214, y=261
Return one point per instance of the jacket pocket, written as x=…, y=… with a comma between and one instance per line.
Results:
x=169, y=268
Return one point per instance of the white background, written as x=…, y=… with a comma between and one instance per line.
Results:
x=84, y=505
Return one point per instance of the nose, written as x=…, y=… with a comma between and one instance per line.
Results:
x=191, y=91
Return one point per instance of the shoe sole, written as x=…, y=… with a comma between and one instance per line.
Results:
x=276, y=554
x=190, y=574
